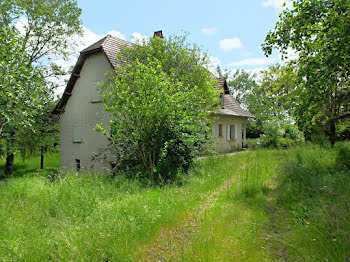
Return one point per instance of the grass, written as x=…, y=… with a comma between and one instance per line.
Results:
x=264, y=205
x=32, y=164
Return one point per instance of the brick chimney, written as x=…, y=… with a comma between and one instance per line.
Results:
x=158, y=34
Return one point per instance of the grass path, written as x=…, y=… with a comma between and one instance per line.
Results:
x=169, y=244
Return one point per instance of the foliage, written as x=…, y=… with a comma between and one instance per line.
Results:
x=45, y=25
x=31, y=33
x=159, y=103
x=319, y=31
x=278, y=134
x=21, y=86
x=267, y=98
x=343, y=155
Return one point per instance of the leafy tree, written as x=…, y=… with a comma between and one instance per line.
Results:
x=319, y=31
x=31, y=32
x=268, y=98
x=159, y=103
x=277, y=89
x=45, y=25
x=22, y=92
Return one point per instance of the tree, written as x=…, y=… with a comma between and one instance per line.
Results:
x=159, y=102
x=319, y=31
x=268, y=98
x=31, y=32
x=22, y=92
x=45, y=25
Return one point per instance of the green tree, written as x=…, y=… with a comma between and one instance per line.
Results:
x=159, y=103
x=269, y=98
x=45, y=25
x=31, y=32
x=22, y=92
x=319, y=31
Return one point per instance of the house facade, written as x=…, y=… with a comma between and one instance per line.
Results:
x=80, y=109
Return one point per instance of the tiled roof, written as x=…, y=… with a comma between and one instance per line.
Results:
x=112, y=46
x=230, y=106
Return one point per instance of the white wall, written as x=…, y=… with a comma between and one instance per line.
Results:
x=79, y=108
x=221, y=143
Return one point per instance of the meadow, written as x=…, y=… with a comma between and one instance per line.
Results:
x=261, y=205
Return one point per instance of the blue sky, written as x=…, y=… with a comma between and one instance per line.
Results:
x=231, y=31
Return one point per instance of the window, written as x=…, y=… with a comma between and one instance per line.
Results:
x=77, y=138
x=77, y=163
x=220, y=130
x=231, y=132
x=95, y=92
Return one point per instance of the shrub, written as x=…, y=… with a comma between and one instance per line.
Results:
x=159, y=105
x=273, y=134
x=343, y=155
x=276, y=135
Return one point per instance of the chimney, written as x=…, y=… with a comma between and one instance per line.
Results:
x=158, y=34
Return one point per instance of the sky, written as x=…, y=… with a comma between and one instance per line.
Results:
x=230, y=31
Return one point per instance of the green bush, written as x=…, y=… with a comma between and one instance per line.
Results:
x=273, y=134
x=343, y=155
x=279, y=135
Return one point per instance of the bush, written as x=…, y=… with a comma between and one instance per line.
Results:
x=159, y=106
x=279, y=135
x=273, y=134
x=343, y=155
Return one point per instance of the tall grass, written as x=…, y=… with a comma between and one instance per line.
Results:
x=265, y=205
x=78, y=217
x=234, y=227
x=314, y=191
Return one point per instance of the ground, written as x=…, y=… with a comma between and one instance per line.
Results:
x=239, y=207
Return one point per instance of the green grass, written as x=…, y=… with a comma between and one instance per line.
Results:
x=32, y=164
x=265, y=205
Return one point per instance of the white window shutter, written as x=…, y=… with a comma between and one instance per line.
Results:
x=95, y=93
x=77, y=138
x=228, y=133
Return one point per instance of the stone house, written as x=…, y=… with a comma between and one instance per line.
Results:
x=80, y=109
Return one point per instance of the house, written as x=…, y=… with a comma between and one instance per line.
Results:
x=80, y=109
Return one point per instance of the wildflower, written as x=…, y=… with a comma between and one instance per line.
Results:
x=307, y=223
x=314, y=239
x=334, y=239
x=325, y=186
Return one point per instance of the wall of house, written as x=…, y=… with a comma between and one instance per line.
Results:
x=222, y=144
x=81, y=111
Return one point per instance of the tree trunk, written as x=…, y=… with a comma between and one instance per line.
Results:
x=9, y=165
x=332, y=132
x=42, y=158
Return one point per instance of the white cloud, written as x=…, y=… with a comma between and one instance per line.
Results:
x=230, y=44
x=22, y=25
x=277, y=4
x=209, y=31
x=137, y=37
x=214, y=62
x=291, y=55
x=116, y=34
x=254, y=62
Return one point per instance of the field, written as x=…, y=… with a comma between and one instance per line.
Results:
x=262, y=205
